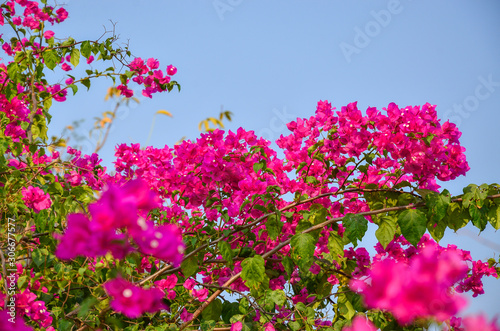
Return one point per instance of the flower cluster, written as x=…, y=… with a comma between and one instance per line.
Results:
x=35, y=198
x=424, y=285
x=15, y=110
x=88, y=168
x=167, y=285
x=26, y=304
x=119, y=209
x=473, y=281
x=32, y=16
x=147, y=74
x=409, y=140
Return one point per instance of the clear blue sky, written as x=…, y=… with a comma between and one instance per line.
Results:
x=271, y=61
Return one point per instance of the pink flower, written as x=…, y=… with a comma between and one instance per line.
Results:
x=167, y=283
x=189, y=284
x=171, y=295
x=360, y=324
x=125, y=91
x=90, y=59
x=200, y=294
x=153, y=63
x=269, y=327
x=479, y=323
x=62, y=14
x=131, y=300
x=83, y=237
x=421, y=289
x=171, y=70
x=163, y=242
x=186, y=316
x=48, y=34
x=36, y=199
x=16, y=325
x=236, y=326
x=315, y=269
x=66, y=67
x=69, y=81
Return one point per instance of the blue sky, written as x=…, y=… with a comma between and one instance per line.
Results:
x=270, y=62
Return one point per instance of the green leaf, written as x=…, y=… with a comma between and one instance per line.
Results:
x=437, y=229
x=74, y=88
x=75, y=57
x=39, y=256
x=274, y=226
x=189, y=266
x=303, y=246
x=278, y=297
x=478, y=217
x=21, y=281
x=12, y=70
x=226, y=251
x=229, y=309
x=335, y=245
x=355, y=227
x=345, y=307
x=86, y=82
x=253, y=271
x=475, y=195
x=51, y=59
x=494, y=216
x=65, y=325
x=288, y=265
x=428, y=139
x=295, y=326
x=86, y=305
x=437, y=205
x=207, y=325
x=413, y=224
x=213, y=311
x=456, y=216
x=55, y=187
x=258, y=166
x=85, y=49
x=386, y=230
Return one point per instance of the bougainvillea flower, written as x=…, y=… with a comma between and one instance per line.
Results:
x=83, y=238
x=16, y=325
x=131, y=300
x=238, y=326
x=118, y=206
x=480, y=322
x=200, y=294
x=36, y=199
x=163, y=242
x=171, y=70
x=167, y=283
x=360, y=324
x=420, y=289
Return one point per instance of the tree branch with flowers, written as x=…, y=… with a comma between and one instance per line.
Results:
x=221, y=233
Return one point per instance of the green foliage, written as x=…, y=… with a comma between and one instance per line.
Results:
x=413, y=225
x=253, y=271
x=386, y=230
x=303, y=245
x=355, y=227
